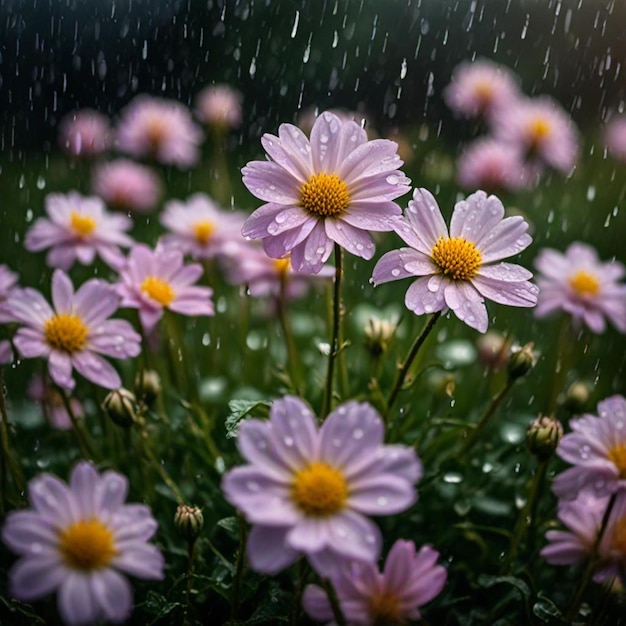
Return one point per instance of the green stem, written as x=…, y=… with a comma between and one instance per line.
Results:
x=165, y=477
x=5, y=442
x=292, y=357
x=334, y=603
x=408, y=361
x=238, y=576
x=299, y=588
x=561, y=365
x=591, y=565
x=191, y=551
x=336, y=330
x=82, y=439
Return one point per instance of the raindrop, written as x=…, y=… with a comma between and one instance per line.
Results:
x=453, y=478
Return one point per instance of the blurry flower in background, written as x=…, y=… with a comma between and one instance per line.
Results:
x=366, y=596
x=8, y=283
x=75, y=331
x=77, y=229
x=127, y=186
x=219, y=105
x=6, y=352
x=160, y=129
x=333, y=188
x=84, y=133
x=199, y=227
x=579, y=284
x=480, y=88
x=309, y=490
x=541, y=129
x=154, y=280
x=597, y=450
x=52, y=404
x=79, y=540
x=614, y=137
x=457, y=271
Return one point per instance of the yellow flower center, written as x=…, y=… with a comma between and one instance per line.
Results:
x=66, y=332
x=82, y=225
x=538, y=129
x=385, y=609
x=618, y=542
x=203, y=231
x=483, y=91
x=87, y=545
x=325, y=195
x=158, y=289
x=456, y=257
x=156, y=132
x=319, y=490
x=584, y=283
x=617, y=454
x=282, y=265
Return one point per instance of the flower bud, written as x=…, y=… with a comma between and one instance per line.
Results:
x=521, y=361
x=577, y=396
x=492, y=349
x=543, y=436
x=148, y=385
x=121, y=406
x=378, y=335
x=189, y=521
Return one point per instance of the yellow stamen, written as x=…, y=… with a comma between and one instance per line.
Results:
x=319, y=490
x=457, y=258
x=282, y=265
x=617, y=454
x=155, y=131
x=385, y=609
x=82, y=225
x=325, y=195
x=584, y=283
x=66, y=332
x=203, y=231
x=158, y=289
x=538, y=130
x=87, y=545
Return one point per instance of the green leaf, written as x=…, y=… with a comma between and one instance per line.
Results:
x=158, y=606
x=545, y=609
x=240, y=409
x=487, y=581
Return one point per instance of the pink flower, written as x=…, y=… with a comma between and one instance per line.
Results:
x=52, y=403
x=79, y=540
x=492, y=165
x=8, y=284
x=78, y=228
x=219, y=105
x=160, y=129
x=84, y=133
x=126, y=185
x=479, y=88
x=6, y=352
x=333, y=188
x=541, y=130
x=199, y=227
x=74, y=331
x=310, y=490
x=154, y=280
x=614, y=136
x=582, y=518
x=597, y=450
x=368, y=597
x=459, y=270
x=578, y=283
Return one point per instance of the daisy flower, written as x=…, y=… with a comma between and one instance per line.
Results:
x=310, y=490
x=73, y=332
x=84, y=133
x=219, y=105
x=578, y=283
x=541, y=130
x=479, y=88
x=199, y=227
x=154, y=280
x=77, y=229
x=127, y=186
x=79, y=540
x=330, y=189
x=596, y=448
x=459, y=270
x=614, y=136
x=160, y=129
x=367, y=597
x=582, y=518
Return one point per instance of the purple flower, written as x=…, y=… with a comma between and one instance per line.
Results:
x=582, y=518
x=154, y=280
x=79, y=540
x=479, y=88
x=459, y=270
x=79, y=228
x=219, y=105
x=368, y=597
x=73, y=332
x=614, y=136
x=8, y=284
x=541, y=130
x=578, y=283
x=333, y=188
x=84, y=133
x=160, y=129
x=597, y=450
x=309, y=490
x=199, y=227
x=127, y=186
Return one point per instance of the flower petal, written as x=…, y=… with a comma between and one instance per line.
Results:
x=33, y=578
x=268, y=551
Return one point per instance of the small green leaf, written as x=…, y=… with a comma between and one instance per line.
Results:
x=487, y=581
x=240, y=409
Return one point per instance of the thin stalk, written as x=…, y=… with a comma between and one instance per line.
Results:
x=165, y=477
x=292, y=357
x=591, y=565
x=176, y=350
x=562, y=363
x=8, y=459
x=334, y=603
x=82, y=439
x=238, y=576
x=191, y=552
x=299, y=588
x=408, y=361
x=336, y=331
